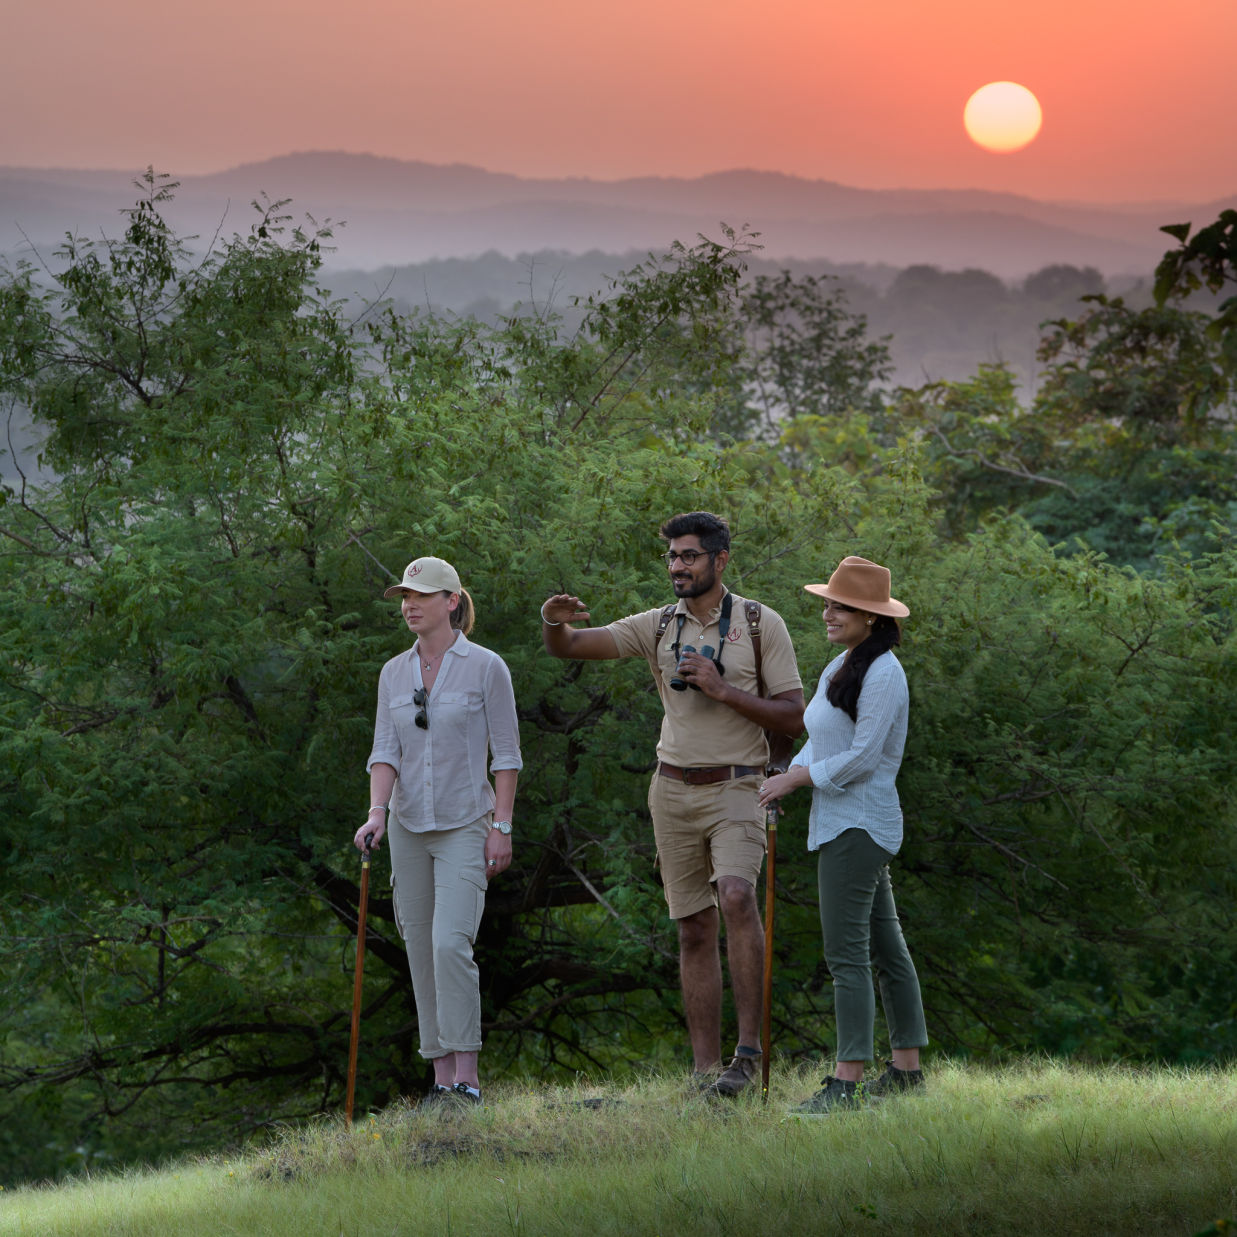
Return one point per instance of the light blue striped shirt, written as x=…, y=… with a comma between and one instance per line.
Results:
x=853, y=765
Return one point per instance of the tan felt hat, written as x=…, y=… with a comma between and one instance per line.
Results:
x=863, y=585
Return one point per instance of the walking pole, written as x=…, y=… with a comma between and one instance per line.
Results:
x=356, y=983
x=766, y=1028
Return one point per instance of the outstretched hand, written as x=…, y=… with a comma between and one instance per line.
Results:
x=564, y=608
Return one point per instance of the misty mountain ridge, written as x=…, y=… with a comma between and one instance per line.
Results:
x=402, y=211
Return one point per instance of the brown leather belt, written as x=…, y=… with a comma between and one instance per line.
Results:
x=706, y=775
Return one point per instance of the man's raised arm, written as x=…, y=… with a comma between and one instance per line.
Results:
x=560, y=640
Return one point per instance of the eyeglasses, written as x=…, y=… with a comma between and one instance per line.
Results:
x=688, y=556
x=421, y=717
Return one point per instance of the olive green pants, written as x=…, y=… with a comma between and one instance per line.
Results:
x=860, y=927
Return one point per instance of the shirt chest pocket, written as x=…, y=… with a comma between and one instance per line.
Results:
x=450, y=712
x=404, y=711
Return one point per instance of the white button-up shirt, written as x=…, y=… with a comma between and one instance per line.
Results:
x=854, y=765
x=442, y=782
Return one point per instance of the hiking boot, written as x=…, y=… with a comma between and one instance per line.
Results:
x=893, y=1081
x=740, y=1074
x=837, y=1093
x=703, y=1080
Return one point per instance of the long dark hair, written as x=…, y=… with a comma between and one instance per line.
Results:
x=845, y=686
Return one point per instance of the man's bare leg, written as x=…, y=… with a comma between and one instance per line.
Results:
x=700, y=969
x=745, y=953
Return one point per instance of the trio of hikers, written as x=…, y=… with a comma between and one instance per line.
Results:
x=732, y=699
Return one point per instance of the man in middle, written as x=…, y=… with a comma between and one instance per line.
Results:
x=720, y=689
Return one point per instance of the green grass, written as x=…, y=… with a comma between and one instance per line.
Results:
x=1040, y=1148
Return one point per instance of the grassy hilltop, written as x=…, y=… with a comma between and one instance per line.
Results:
x=1036, y=1149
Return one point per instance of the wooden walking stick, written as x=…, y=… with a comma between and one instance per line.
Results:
x=356, y=983
x=766, y=1011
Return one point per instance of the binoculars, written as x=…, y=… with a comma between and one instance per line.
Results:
x=681, y=685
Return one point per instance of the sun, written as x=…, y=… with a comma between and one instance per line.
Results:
x=1002, y=117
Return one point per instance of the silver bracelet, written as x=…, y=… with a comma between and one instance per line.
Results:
x=546, y=621
x=377, y=807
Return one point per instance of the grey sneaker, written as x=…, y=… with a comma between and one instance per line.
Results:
x=739, y=1074
x=836, y=1094
x=893, y=1081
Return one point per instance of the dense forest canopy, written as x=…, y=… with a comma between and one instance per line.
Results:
x=192, y=625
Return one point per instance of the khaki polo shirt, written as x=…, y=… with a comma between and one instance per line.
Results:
x=697, y=730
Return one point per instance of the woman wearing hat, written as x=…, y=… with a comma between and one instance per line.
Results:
x=442, y=707
x=856, y=726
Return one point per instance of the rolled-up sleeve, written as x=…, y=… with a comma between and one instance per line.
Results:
x=501, y=718
x=386, y=749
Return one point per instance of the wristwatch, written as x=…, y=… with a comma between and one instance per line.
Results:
x=503, y=826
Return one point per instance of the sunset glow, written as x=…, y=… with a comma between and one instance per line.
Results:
x=1139, y=105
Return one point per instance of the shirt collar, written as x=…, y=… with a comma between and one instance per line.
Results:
x=459, y=646
x=714, y=615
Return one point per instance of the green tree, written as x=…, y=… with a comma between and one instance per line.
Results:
x=191, y=629
x=1068, y=794
x=807, y=354
x=1126, y=447
x=192, y=637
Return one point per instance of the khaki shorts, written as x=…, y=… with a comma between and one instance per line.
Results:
x=702, y=833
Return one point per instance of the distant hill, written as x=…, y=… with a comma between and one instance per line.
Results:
x=399, y=212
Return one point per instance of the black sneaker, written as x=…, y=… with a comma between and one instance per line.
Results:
x=893, y=1081
x=837, y=1093
x=462, y=1093
x=438, y=1095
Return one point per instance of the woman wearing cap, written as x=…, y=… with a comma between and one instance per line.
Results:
x=442, y=706
x=856, y=726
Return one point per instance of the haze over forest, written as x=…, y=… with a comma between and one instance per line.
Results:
x=954, y=278
x=397, y=212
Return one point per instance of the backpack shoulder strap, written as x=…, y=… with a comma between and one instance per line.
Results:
x=667, y=613
x=752, y=611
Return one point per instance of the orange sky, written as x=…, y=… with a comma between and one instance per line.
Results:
x=1139, y=96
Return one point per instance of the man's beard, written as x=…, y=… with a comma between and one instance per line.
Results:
x=694, y=586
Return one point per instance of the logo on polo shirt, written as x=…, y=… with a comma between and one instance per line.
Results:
x=734, y=635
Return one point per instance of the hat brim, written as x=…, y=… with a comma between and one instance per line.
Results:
x=408, y=588
x=893, y=608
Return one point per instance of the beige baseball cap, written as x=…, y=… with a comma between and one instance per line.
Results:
x=427, y=575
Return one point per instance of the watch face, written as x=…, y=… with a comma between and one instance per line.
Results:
x=503, y=826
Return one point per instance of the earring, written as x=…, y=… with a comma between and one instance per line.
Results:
x=871, y=621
